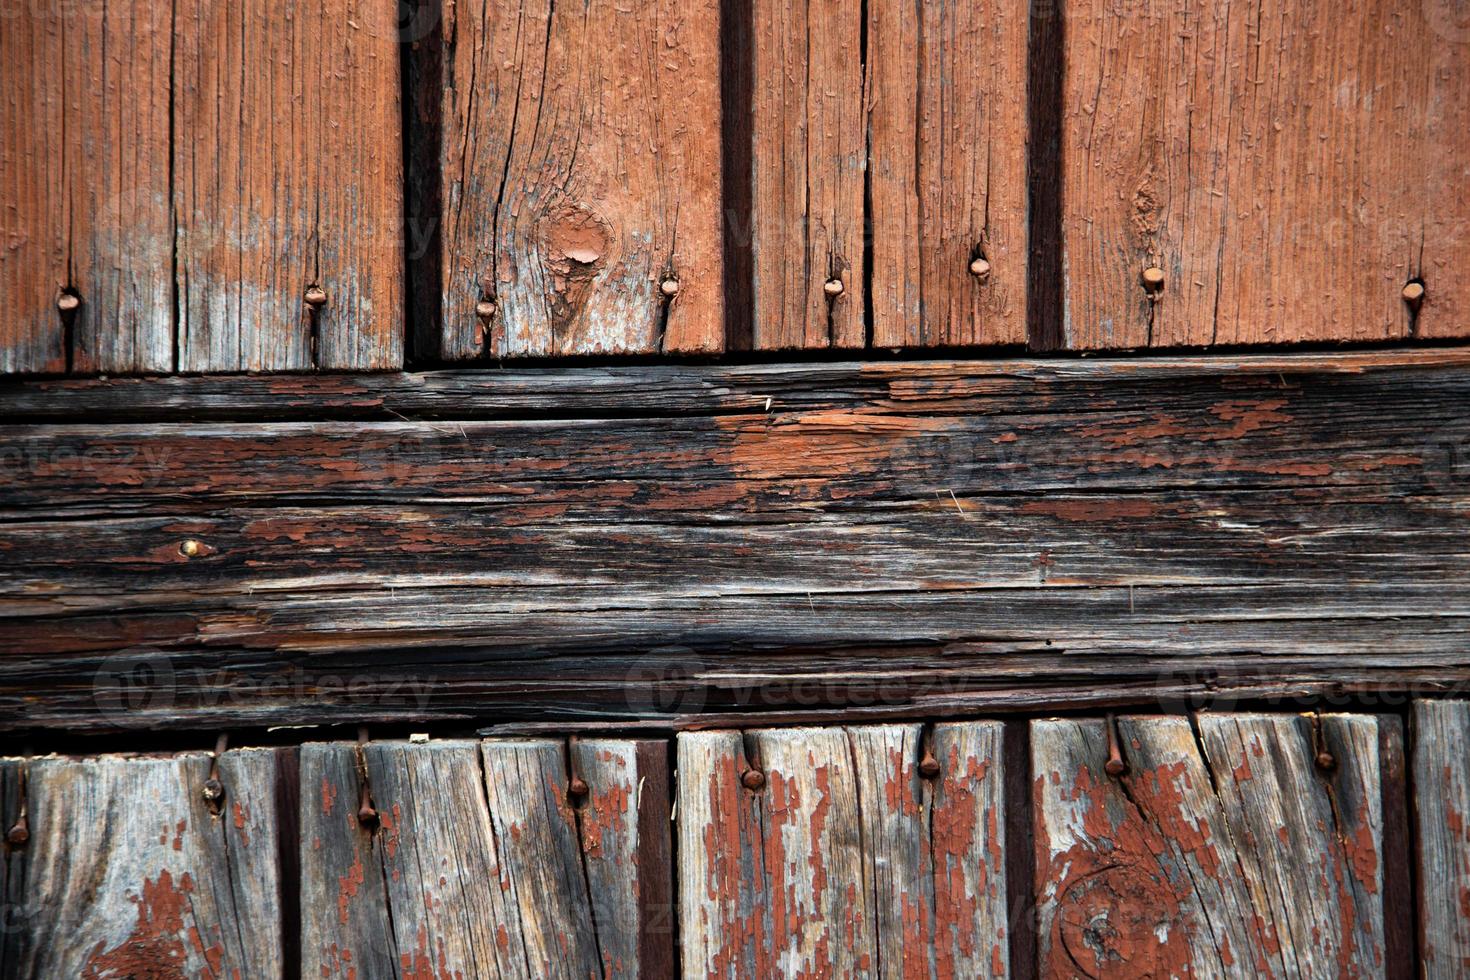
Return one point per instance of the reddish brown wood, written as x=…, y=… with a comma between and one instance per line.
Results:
x=1288, y=167
x=581, y=178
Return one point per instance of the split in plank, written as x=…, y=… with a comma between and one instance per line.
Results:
x=828, y=851
x=580, y=155
x=1218, y=844
x=472, y=857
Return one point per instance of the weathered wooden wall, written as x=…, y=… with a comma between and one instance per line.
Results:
x=1211, y=844
x=652, y=543
x=221, y=187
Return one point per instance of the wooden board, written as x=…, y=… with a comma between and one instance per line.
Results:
x=128, y=873
x=1441, y=801
x=84, y=181
x=1289, y=167
x=580, y=163
x=287, y=174
x=1223, y=847
x=844, y=861
x=479, y=863
x=921, y=537
x=946, y=117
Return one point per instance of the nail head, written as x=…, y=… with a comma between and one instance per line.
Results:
x=577, y=787
x=367, y=816
x=929, y=767
x=18, y=834
x=1115, y=767
x=1153, y=278
x=213, y=791
x=1325, y=761
x=191, y=548
x=316, y=296
x=669, y=287
x=752, y=779
x=484, y=309
x=979, y=268
x=833, y=287
x=1414, y=292
x=67, y=302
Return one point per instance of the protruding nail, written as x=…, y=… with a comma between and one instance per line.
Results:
x=213, y=792
x=19, y=832
x=752, y=779
x=367, y=814
x=1326, y=761
x=979, y=268
x=485, y=309
x=68, y=302
x=577, y=788
x=316, y=296
x=1115, y=766
x=1414, y=292
x=669, y=287
x=191, y=548
x=833, y=287
x=928, y=765
x=1153, y=279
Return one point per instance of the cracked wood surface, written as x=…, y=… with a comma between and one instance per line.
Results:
x=187, y=172
x=925, y=536
x=84, y=187
x=885, y=156
x=481, y=864
x=1224, y=849
x=1441, y=803
x=128, y=873
x=845, y=861
x=1289, y=167
x=580, y=155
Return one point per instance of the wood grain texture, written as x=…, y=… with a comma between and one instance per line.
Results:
x=845, y=861
x=287, y=174
x=581, y=169
x=128, y=873
x=85, y=176
x=1441, y=800
x=947, y=136
x=1222, y=849
x=1039, y=530
x=1286, y=166
x=808, y=165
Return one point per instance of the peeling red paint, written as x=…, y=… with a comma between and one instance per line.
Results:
x=160, y=943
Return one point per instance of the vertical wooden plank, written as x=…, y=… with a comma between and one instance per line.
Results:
x=947, y=115
x=451, y=896
x=287, y=176
x=846, y=860
x=13, y=912
x=84, y=171
x=128, y=873
x=581, y=159
x=1214, y=852
x=33, y=204
x=1441, y=807
x=536, y=829
x=624, y=831
x=1286, y=167
x=808, y=164
x=345, y=925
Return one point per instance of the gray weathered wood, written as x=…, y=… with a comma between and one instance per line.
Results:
x=846, y=860
x=1441, y=805
x=128, y=873
x=1013, y=532
x=1217, y=852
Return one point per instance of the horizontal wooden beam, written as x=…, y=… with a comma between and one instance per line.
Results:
x=683, y=543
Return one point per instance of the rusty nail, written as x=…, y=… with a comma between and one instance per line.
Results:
x=577, y=788
x=833, y=287
x=928, y=765
x=68, y=302
x=20, y=831
x=576, y=785
x=669, y=287
x=214, y=790
x=485, y=309
x=191, y=548
x=1324, y=759
x=1414, y=292
x=752, y=779
x=316, y=296
x=1153, y=279
x=367, y=814
x=1326, y=762
x=979, y=268
x=1115, y=765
